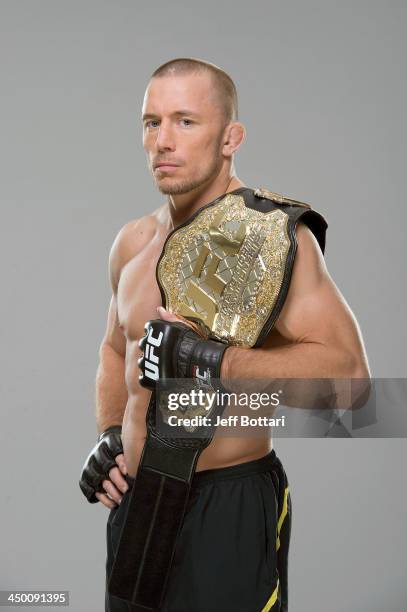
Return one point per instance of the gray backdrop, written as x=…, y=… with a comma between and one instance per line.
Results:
x=323, y=96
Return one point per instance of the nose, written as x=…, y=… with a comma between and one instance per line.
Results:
x=165, y=138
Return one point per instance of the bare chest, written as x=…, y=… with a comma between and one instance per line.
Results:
x=138, y=293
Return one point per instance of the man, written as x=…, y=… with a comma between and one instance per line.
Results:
x=232, y=549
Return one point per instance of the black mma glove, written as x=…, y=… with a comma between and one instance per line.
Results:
x=174, y=350
x=99, y=461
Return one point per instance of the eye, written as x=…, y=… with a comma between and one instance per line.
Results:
x=149, y=123
x=187, y=122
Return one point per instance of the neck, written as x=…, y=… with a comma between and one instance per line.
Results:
x=182, y=206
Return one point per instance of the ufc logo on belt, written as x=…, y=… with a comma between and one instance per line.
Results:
x=151, y=359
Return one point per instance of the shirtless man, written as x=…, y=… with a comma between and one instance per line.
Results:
x=190, y=135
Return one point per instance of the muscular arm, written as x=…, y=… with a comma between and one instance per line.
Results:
x=323, y=336
x=111, y=387
x=111, y=390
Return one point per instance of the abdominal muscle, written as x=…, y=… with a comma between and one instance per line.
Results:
x=221, y=452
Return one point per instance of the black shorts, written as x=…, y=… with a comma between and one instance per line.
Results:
x=232, y=552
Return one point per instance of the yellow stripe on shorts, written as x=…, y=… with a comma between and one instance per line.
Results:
x=272, y=599
x=282, y=516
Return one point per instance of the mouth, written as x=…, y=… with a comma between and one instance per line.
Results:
x=165, y=166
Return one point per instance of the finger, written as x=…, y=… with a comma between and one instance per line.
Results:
x=173, y=318
x=105, y=500
x=193, y=326
x=118, y=480
x=121, y=463
x=166, y=315
x=112, y=491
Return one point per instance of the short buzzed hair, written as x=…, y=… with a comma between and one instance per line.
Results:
x=223, y=83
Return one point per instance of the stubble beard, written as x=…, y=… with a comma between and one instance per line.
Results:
x=185, y=186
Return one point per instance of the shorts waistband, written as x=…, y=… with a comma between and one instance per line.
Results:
x=256, y=466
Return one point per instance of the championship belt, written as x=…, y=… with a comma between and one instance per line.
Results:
x=227, y=269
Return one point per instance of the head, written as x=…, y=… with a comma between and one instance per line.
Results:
x=190, y=121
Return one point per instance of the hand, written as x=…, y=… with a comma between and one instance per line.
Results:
x=171, y=317
x=101, y=478
x=116, y=486
x=175, y=348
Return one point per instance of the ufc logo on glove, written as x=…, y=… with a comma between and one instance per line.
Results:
x=151, y=359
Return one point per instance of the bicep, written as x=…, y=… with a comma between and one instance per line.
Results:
x=315, y=310
x=118, y=256
x=114, y=336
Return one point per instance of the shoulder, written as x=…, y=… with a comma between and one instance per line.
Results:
x=309, y=255
x=129, y=241
x=131, y=237
x=309, y=272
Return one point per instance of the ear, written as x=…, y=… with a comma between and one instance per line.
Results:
x=233, y=137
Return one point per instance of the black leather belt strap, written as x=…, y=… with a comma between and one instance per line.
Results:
x=154, y=517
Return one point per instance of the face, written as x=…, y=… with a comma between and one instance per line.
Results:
x=183, y=127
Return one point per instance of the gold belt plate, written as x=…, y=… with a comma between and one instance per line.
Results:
x=224, y=270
